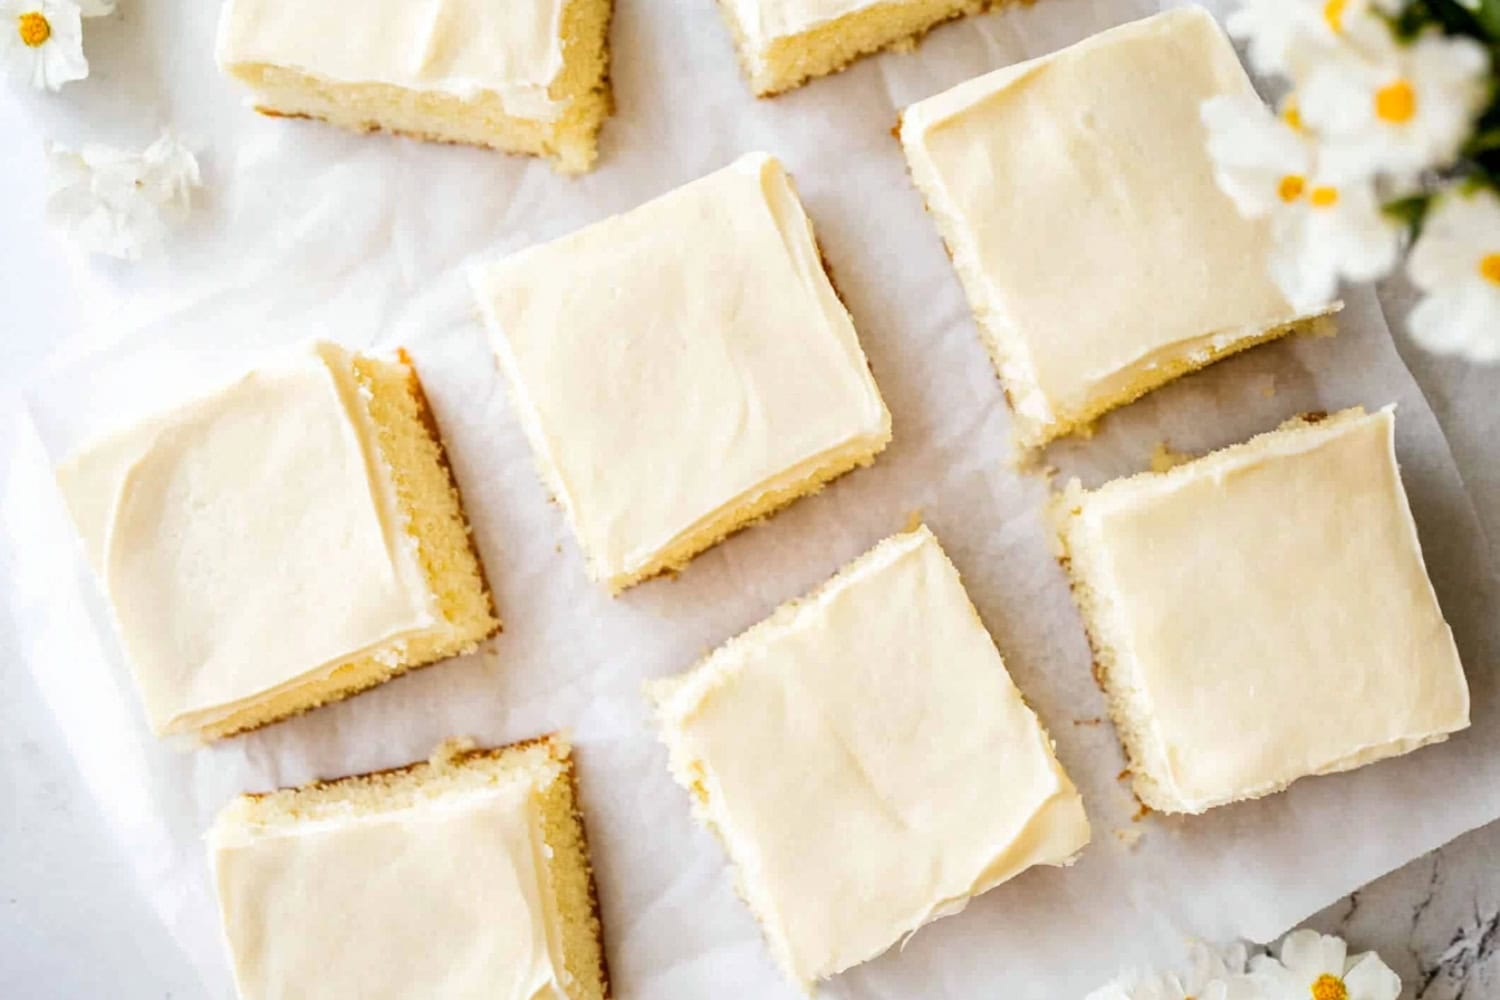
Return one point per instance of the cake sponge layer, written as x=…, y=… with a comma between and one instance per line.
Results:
x=777, y=63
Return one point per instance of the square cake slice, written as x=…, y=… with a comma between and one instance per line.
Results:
x=1077, y=199
x=784, y=43
x=522, y=76
x=866, y=761
x=683, y=369
x=465, y=876
x=287, y=540
x=1263, y=613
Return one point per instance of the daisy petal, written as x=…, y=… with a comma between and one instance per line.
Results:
x=1310, y=954
x=1372, y=979
x=1460, y=322
x=121, y=203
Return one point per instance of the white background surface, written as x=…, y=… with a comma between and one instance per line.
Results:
x=305, y=205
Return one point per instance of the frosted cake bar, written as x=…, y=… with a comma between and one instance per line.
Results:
x=1077, y=199
x=866, y=761
x=461, y=877
x=1263, y=613
x=683, y=369
x=286, y=540
x=523, y=76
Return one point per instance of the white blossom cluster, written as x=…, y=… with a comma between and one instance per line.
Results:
x=1381, y=110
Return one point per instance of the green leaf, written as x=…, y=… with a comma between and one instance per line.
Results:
x=1488, y=17
x=1410, y=211
x=1453, y=17
x=1482, y=142
x=1471, y=175
x=1474, y=18
x=1411, y=19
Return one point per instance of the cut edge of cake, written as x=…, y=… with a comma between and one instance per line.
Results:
x=570, y=142
x=827, y=48
x=754, y=507
x=410, y=450
x=1113, y=666
x=457, y=767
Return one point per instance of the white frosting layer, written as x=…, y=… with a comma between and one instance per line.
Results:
x=512, y=48
x=1273, y=611
x=1080, y=207
x=867, y=760
x=676, y=363
x=249, y=541
x=445, y=900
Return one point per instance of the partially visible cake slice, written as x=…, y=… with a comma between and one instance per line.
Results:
x=785, y=43
x=683, y=369
x=522, y=76
x=465, y=876
x=1263, y=614
x=1077, y=199
x=287, y=540
x=867, y=761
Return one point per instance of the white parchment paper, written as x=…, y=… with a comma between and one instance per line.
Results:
x=307, y=231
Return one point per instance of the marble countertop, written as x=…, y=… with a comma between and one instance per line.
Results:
x=1436, y=921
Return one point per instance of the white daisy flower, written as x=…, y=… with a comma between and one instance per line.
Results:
x=1289, y=36
x=1314, y=966
x=1456, y=261
x=1323, y=228
x=42, y=41
x=120, y=203
x=1215, y=975
x=1330, y=230
x=1397, y=108
x=1260, y=160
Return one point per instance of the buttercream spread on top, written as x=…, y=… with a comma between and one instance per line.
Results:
x=1276, y=613
x=249, y=540
x=446, y=899
x=673, y=363
x=867, y=761
x=512, y=48
x=1083, y=216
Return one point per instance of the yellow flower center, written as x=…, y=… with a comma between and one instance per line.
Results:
x=1324, y=197
x=1489, y=268
x=1290, y=188
x=1291, y=114
x=34, y=28
x=1327, y=987
x=1333, y=13
x=1396, y=103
